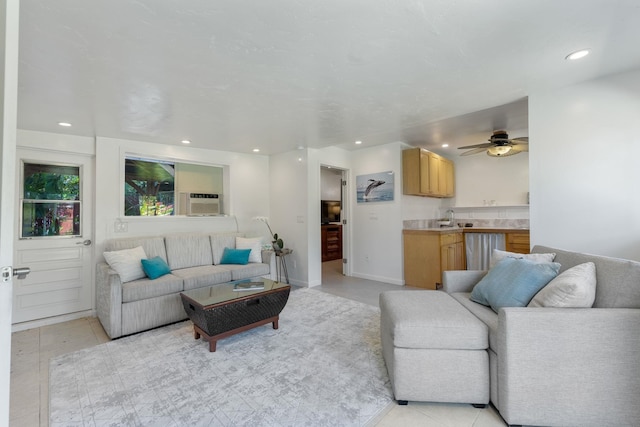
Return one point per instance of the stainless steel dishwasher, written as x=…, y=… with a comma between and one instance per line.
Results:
x=479, y=247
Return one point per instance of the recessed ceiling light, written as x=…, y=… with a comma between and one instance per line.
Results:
x=577, y=54
x=65, y=124
x=358, y=142
x=445, y=145
x=256, y=150
x=186, y=141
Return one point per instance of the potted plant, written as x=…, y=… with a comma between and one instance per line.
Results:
x=276, y=242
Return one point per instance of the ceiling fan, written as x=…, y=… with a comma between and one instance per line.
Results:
x=499, y=145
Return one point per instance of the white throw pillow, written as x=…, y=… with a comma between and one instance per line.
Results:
x=253, y=243
x=498, y=255
x=575, y=287
x=127, y=263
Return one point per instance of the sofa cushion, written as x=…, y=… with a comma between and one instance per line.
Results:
x=145, y=288
x=153, y=246
x=126, y=263
x=220, y=241
x=498, y=255
x=239, y=272
x=235, y=256
x=431, y=320
x=513, y=282
x=205, y=275
x=617, y=279
x=188, y=250
x=155, y=267
x=484, y=313
x=253, y=243
x=575, y=287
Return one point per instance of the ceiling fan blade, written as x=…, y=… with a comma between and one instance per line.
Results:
x=475, y=150
x=521, y=140
x=483, y=145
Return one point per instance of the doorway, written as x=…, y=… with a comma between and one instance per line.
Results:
x=333, y=216
x=54, y=224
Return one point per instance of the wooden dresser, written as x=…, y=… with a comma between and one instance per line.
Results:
x=331, y=242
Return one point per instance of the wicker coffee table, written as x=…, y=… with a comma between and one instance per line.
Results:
x=219, y=311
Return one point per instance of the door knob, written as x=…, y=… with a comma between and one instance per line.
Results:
x=86, y=243
x=21, y=273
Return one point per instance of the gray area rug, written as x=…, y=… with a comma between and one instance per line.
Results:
x=322, y=367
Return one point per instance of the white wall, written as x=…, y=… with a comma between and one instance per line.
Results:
x=377, y=227
x=416, y=207
x=289, y=216
x=246, y=191
x=585, y=146
x=480, y=177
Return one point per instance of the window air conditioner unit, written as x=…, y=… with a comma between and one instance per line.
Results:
x=200, y=204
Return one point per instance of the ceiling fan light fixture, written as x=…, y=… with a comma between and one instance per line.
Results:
x=499, y=150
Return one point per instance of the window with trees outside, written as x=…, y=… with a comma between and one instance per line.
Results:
x=51, y=200
x=148, y=187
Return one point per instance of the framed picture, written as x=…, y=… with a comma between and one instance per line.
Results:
x=375, y=187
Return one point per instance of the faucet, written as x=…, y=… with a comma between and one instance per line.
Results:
x=450, y=214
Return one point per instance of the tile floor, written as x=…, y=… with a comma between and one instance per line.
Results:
x=32, y=349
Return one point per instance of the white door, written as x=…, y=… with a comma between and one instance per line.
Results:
x=8, y=111
x=54, y=231
x=346, y=270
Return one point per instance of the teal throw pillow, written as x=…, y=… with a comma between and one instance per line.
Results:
x=155, y=267
x=513, y=283
x=235, y=256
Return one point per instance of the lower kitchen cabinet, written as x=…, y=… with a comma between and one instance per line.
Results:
x=518, y=241
x=427, y=253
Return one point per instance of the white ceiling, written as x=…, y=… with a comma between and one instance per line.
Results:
x=277, y=75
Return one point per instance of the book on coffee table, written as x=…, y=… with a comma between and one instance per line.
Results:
x=248, y=286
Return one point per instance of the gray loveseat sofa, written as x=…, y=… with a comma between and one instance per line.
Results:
x=194, y=259
x=546, y=366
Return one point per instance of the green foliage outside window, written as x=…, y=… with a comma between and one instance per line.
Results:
x=148, y=187
x=48, y=182
x=51, y=200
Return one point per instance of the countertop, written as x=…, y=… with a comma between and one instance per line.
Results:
x=468, y=230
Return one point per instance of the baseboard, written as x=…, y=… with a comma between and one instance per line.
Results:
x=378, y=278
x=299, y=283
x=23, y=326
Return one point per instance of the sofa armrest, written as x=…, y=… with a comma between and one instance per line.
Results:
x=461, y=280
x=269, y=257
x=109, y=299
x=569, y=366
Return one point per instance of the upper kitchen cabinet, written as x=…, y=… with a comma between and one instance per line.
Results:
x=427, y=174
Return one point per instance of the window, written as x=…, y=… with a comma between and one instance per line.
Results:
x=148, y=187
x=51, y=203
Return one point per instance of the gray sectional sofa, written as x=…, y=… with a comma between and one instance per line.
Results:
x=194, y=259
x=546, y=366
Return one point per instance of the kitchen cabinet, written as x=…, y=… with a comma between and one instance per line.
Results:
x=518, y=241
x=331, y=242
x=427, y=253
x=427, y=174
